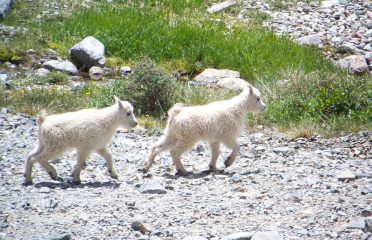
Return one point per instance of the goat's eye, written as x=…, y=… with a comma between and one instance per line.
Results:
x=258, y=99
x=129, y=113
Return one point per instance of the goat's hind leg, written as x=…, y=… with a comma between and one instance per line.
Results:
x=176, y=156
x=165, y=143
x=30, y=161
x=215, y=152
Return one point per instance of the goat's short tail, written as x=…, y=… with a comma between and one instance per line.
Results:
x=174, y=111
x=41, y=116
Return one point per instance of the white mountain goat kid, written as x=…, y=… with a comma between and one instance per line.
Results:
x=88, y=130
x=216, y=122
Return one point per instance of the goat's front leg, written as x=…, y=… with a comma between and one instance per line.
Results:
x=110, y=165
x=235, y=150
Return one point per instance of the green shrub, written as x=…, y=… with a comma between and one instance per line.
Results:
x=150, y=88
x=54, y=77
x=317, y=97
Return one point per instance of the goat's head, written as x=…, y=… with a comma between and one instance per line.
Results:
x=125, y=114
x=255, y=103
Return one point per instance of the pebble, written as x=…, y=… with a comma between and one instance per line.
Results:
x=152, y=187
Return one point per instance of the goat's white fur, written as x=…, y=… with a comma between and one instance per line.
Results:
x=216, y=122
x=87, y=130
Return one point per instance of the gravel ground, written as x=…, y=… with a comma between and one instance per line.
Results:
x=313, y=188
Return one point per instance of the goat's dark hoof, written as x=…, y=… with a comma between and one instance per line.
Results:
x=182, y=173
x=59, y=179
x=27, y=183
x=228, y=162
x=74, y=182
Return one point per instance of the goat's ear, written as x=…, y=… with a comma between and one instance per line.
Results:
x=250, y=89
x=117, y=101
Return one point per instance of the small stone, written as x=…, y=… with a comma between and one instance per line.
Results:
x=236, y=178
x=96, y=73
x=281, y=150
x=272, y=235
x=358, y=224
x=239, y=236
x=130, y=203
x=64, y=66
x=304, y=232
x=44, y=190
x=355, y=63
x=195, y=238
x=369, y=224
x=63, y=236
x=232, y=83
x=367, y=212
x=42, y=72
x=125, y=70
x=31, y=51
x=314, y=40
x=142, y=227
x=152, y=187
x=346, y=175
x=221, y=6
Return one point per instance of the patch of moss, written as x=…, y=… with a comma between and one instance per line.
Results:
x=5, y=55
x=115, y=62
x=55, y=46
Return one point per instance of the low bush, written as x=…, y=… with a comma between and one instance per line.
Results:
x=150, y=88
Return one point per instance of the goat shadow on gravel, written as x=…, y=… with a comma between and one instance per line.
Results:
x=196, y=175
x=69, y=184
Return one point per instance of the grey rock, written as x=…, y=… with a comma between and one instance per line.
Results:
x=357, y=224
x=369, y=224
x=64, y=66
x=367, y=212
x=4, y=78
x=329, y=4
x=239, y=236
x=88, y=53
x=42, y=72
x=271, y=235
x=31, y=51
x=3, y=236
x=236, y=178
x=232, y=83
x=315, y=40
x=281, y=150
x=142, y=227
x=125, y=70
x=355, y=63
x=63, y=236
x=152, y=187
x=221, y=6
x=195, y=238
x=96, y=73
x=346, y=175
x=5, y=6
x=211, y=76
x=44, y=190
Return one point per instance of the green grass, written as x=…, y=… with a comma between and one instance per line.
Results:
x=168, y=33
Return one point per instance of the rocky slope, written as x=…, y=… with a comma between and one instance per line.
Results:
x=313, y=188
